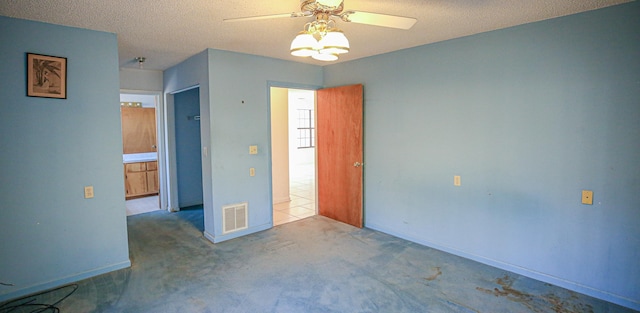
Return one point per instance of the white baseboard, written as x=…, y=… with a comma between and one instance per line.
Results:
x=281, y=200
x=240, y=233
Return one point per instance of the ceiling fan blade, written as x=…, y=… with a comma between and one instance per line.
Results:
x=377, y=19
x=266, y=17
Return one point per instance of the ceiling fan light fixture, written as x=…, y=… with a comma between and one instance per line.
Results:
x=330, y=3
x=319, y=42
x=325, y=57
x=334, y=42
x=304, y=45
x=320, y=39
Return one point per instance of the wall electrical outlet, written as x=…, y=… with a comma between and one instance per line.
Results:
x=456, y=180
x=253, y=149
x=587, y=197
x=88, y=192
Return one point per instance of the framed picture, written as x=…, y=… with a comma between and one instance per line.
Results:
x=46, y=76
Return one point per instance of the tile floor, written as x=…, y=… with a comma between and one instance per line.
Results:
x=142, y=205
x=303, y=197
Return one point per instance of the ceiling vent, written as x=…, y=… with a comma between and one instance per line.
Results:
x=234, y=217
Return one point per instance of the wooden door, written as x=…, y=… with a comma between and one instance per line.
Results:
x=138, y=130
x=339, y=149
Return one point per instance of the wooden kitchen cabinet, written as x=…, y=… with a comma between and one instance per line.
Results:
x=140, y=179
x=152, y=181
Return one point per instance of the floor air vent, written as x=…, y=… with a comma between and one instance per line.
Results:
x=234, y=217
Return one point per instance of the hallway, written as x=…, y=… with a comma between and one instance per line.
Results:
x=303, y=197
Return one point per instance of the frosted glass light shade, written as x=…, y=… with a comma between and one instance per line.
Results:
x=304, y=45
x=325, y=56
x=334, y=42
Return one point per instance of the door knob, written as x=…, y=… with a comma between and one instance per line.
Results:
x=358, y=164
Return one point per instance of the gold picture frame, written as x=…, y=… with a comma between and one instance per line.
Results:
x=46, y=76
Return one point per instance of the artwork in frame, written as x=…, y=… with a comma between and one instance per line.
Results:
x=46, y=76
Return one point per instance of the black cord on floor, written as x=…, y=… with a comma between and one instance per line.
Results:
x=30, y=301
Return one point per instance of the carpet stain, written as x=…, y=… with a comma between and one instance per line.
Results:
x=535, y=303
x=438, y=272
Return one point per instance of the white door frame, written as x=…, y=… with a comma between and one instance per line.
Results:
x=287, y=86
x=161, y=143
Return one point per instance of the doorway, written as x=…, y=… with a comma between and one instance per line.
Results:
x=293, y=154
x=140, y=152
x=188, y=148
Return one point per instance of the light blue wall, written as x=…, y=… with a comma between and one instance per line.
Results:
x=193, y=72
x=528, y=117
x=230, y=126
x=188, y=156
x=50, y=150
x=240, y=117
x=139, y=79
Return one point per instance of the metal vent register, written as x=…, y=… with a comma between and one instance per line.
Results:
x=234, y=217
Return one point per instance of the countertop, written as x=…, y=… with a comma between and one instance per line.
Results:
x=139, y=157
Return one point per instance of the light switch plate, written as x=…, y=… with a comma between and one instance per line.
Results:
x=88, y=192
x=456, y=180
x=252, y=171
x=253, y=149
x=587, y=197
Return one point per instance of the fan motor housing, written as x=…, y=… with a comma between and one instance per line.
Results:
x=322, y=6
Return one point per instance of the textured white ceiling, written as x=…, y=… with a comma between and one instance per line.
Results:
x=167, y=32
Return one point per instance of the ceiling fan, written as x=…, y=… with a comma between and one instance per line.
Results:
x=321, y=39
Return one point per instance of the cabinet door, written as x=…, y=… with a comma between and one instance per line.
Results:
x=152, y=181
x=135, y=183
